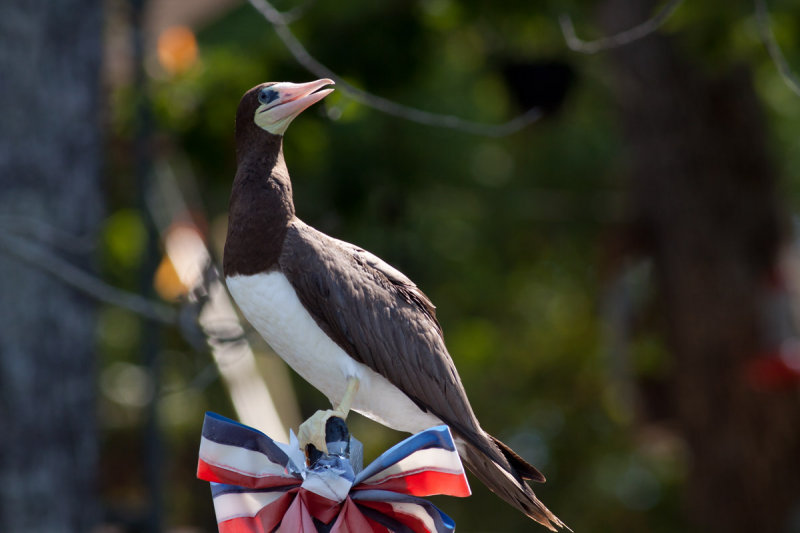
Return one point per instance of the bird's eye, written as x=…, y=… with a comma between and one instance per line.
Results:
x=267, y=95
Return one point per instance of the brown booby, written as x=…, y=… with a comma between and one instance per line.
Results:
x=353, y=326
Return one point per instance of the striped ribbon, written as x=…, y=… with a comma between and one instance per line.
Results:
x=260, y=485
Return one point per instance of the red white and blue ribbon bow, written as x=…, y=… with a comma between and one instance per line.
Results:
x=260, y=485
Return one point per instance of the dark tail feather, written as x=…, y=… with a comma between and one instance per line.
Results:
x=514, y=491
x=520, y=465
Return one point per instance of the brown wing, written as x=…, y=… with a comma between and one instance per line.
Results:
x=381, y=319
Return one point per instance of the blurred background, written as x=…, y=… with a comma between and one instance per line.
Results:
x=615, y=272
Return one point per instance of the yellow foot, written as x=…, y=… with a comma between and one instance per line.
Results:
x=312, y=431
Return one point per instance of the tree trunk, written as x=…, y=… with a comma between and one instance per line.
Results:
x=50, y=155
x=704, y=200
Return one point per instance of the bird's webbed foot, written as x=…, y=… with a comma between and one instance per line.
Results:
x=312, y=431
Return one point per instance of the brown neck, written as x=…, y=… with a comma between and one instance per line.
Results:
x=260, y=208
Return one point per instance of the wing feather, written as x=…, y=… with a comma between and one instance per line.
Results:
x=381, y=319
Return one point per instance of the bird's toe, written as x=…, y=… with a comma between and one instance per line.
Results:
x=312, y=431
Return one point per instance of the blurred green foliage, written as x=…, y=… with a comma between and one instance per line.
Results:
x=505, y=235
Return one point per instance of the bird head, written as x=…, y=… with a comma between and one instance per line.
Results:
x=275, y=105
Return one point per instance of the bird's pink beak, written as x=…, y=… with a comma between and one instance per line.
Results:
x=293, y=98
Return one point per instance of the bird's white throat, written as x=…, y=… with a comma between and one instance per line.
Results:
x=270, y=304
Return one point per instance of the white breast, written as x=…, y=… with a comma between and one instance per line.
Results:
x=271, y=305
